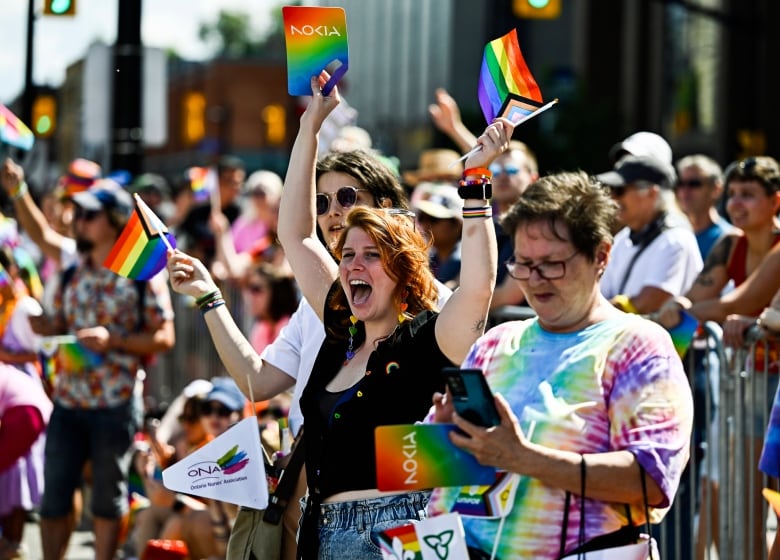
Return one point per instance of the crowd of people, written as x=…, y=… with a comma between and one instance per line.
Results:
x=360, y=284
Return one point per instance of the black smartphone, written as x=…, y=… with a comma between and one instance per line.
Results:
x=471, y=396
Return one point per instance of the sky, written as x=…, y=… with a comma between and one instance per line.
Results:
x=60, y=41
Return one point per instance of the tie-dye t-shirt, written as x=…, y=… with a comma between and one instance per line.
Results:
x=632, y=394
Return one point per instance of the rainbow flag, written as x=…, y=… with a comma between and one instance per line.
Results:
x=140, y=251
x=5, y=278
x=316, y=39
x=203, y=180
x=25, y=262
x=506, y=86
x=13, y=131
x=73, y=357
x=683, y=334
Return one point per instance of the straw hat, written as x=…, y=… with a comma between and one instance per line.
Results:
x=434, y=165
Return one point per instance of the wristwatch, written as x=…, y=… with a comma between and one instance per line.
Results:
x=476, y=191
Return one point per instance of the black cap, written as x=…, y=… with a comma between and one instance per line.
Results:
x=633, y=169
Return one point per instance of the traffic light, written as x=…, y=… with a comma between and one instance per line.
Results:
x=275, y=118
x=44, y=115
x=59, y=7
x=537, y=9
x=193, y=117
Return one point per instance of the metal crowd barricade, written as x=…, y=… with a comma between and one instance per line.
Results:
x=733, y=398
x=193, y=356
x=733, y=395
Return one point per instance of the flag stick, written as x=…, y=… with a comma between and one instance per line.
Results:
x=478, y=147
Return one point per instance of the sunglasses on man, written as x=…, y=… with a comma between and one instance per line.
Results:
x=689, y=184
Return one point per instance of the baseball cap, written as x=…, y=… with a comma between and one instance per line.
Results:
x=642, y=143
x=632, y=169
x=225, y=391
x=438, y=200
x=80, y=176
x=264, y=181
x=105, y=195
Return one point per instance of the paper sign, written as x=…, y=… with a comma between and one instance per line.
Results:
x=316, y=40
x=436, y=538
x=229, y=468
x=420, y=456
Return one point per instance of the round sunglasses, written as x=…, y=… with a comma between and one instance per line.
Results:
x=345, y=196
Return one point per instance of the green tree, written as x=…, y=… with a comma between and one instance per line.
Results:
x=230, y=33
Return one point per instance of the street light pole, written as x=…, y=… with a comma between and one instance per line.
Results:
x=29, y=93
x=127, y=131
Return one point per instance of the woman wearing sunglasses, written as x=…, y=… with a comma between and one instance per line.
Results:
x=385, y=343
x=379, y=319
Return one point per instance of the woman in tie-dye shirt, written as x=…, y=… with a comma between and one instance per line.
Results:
x=582, y=381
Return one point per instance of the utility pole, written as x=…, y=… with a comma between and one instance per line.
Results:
x=126, y=130
x=29, y=91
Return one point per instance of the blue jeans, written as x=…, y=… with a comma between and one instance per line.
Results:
x=74, y=436
x=351, y=529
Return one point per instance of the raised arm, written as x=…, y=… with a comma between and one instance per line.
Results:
x=314, y=268
x=28, y=214
x=445, y=114
x=463, y=318
x=752, y=294
x=189, y=276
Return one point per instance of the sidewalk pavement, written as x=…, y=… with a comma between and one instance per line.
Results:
x=81, y=545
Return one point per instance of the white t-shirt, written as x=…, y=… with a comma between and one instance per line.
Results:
x=297, y=346
x=671, y=263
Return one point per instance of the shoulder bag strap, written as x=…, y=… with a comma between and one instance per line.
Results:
x=277, y=501
x=647, y=511
x=658, y=228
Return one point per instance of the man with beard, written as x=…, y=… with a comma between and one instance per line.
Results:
x=96, y=406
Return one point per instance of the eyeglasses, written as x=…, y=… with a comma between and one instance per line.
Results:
x=256, y=289
x=346, y=197
x=497, y=170
x=86, y=215
x=548, y=270
x=689, y=184
x=216, y=408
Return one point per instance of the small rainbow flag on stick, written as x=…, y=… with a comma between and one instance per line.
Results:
x=140, y=251
x=506, y=86
x=203, y=181
x=13, y=131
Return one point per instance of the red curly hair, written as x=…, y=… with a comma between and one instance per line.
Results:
x=404, y=255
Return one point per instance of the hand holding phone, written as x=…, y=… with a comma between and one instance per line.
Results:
x=471, y=396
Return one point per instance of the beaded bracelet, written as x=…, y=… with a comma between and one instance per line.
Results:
x=19, y=191
x=206, y=297
x=478, y=212
x=213, y=304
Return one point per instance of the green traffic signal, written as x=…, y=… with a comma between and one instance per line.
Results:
x=59, y=7
x=539, y=4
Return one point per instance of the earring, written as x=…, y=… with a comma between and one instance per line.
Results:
x=404, y=306
x=352, y=333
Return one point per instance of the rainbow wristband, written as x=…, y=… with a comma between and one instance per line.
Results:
x=207, y=297
x=208, y=306
x=19, y=191
x=478, y=212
